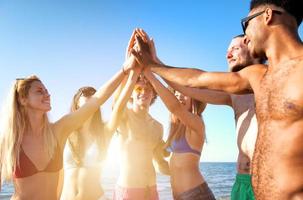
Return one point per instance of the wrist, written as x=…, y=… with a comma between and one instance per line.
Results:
x=124, y=71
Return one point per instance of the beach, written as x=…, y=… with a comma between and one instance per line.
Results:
x=219, y=176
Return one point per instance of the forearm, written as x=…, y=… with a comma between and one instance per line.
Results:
x=122, y=100
x=119, y=90
x=204, y=95
x=230, y=82
x=181, y=76
x=168, y=98
x=109, y=87
x=74, y=120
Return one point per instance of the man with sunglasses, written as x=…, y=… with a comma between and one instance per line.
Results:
x=140, y=140
x=272, y=33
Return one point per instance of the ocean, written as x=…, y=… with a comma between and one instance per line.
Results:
x=219, y=176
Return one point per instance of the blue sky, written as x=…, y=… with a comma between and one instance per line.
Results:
x=69, y=44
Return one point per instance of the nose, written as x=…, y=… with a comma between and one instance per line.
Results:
x=229, y=55
x=46, y=94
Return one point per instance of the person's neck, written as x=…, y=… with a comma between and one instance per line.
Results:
x=140, y=110
x=283, y=45
x=35, y=119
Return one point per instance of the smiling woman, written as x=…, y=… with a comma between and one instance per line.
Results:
x=31, y=146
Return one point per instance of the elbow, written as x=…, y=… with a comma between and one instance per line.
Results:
x=238, y=89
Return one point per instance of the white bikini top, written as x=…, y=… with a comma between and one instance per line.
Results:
x=90, y=159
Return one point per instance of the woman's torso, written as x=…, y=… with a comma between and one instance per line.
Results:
x=184, y=163
x=82, y=181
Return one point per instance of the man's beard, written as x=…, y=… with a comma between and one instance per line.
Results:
x=238, y=67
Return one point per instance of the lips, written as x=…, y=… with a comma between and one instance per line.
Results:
x=46, y=102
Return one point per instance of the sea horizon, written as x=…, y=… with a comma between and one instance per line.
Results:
x=219, y=176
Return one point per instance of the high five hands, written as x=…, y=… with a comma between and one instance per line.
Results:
x=140, y=52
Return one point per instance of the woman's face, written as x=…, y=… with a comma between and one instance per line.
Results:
x=184, y=100
x=38, y=97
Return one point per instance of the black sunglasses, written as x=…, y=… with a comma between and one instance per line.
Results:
x=244, y=21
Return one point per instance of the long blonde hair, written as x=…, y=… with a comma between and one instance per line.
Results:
x=177, y=129
x=96, y=127
x=15, y=125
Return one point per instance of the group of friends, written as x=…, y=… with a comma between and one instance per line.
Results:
x=63, y=160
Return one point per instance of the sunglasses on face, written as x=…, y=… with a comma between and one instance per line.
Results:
x=139, y=89
x=244, y=21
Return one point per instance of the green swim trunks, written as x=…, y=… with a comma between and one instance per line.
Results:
x=242, y=189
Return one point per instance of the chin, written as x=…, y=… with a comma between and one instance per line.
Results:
x=47, y=109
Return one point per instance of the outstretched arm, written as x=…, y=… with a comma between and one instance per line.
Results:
x=121, y=102
x=204, y=95
x=64, y=126
x=231, y=82
x=174, y=106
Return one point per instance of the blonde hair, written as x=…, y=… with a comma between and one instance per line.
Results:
x=177, y=129
x=15, y=125
x=96, y=127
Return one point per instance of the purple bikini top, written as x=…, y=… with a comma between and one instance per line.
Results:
x=181, y=146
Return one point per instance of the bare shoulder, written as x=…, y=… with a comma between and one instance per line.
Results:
x=254, y=74
x=256, y=70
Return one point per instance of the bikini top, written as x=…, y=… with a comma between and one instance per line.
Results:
x=181, y=146
x=27, y=167
x=90, y=159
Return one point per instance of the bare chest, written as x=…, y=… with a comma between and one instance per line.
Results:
x=280, y=96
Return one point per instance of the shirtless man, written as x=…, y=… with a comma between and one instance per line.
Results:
x=140, y=139
x=238, y=57
x=272, y=33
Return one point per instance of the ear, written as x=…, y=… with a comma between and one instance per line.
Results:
x=22, y=101
x=268, y=19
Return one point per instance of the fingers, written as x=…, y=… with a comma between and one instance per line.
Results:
x=140, y=43
x=143, y=34
x=152, y=46
x=131, y=43
x=137, y=56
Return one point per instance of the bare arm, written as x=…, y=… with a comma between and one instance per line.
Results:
x=122, y=101
x=189, y=119
x=162, y=164
x=204, y=95
x=230, y=82
x=74, y=120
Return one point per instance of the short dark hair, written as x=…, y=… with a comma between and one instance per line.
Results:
x=293, y=7
x=239, y=36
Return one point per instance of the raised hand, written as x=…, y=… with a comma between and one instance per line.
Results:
x=153, y=51
x=130, y=62
x=151, y=44
x=143, y=55
x=131, y=44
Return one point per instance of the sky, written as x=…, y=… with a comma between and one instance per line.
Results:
x=72, y=43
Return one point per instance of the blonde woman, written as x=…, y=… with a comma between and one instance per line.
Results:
x=185, y=141
x=32, y=147
x=86, y=150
